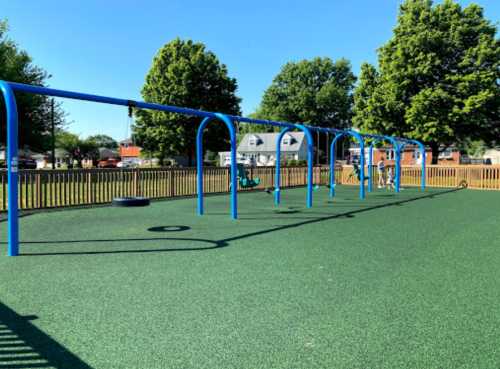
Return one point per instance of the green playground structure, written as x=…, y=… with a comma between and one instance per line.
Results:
x=244, y=180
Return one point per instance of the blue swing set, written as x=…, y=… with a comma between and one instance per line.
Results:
x=237, y=175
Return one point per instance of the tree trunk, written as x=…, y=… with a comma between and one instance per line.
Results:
x=435, y=152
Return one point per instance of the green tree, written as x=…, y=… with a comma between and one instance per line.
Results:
x=437, y=79
x=77, y=148
x=103, y=141
x=185, y=74
x=34, y=110
x=317, y=91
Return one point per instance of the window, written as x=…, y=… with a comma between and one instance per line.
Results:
x=288, y=140
x=446, y=154
x=390, y=154
x=254, y=140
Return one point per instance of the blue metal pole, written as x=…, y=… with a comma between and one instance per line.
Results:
x=332, y=162
x=359, y=138
x=12, y=167
x=370, y=167
x=277, y=177
x=234, y=165
x=423, y=153
x=397, y=149
x=310, y=157
x=199, y=163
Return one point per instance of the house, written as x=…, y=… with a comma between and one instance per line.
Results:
x=410, y=155
x=62, y=159
x=128, y=150
x=492, y=156
x=105, y=153
x=260, y=149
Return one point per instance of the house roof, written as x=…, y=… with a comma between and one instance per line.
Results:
x=266, y=142
x=130, y=151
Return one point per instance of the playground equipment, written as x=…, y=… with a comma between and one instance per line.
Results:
x=356, y=171
x=130, y=201
x=126, y=202
x=244, y=180
x=9, y=88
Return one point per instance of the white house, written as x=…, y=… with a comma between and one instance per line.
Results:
x=260, y=149
x=492, y=156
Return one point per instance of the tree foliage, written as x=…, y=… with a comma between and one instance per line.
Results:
x=185, y=74
x=78, y=148
x=103, y=141
x=317, y=91
x=437, y=79
x=34, y=110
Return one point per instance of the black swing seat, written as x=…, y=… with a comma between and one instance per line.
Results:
x=130, y=201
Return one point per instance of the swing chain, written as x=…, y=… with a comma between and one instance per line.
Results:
x=131, y=105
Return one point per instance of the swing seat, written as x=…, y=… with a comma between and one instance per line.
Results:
x=249, y=183
x=244, y=180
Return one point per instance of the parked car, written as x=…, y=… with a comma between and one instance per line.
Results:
x=27, y=163
x=108, y=163
x=126, y=164
x=23, y=163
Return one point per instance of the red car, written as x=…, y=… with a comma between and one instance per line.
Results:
x=108, y=163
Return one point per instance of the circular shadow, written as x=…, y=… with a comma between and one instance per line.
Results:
x=169, y=228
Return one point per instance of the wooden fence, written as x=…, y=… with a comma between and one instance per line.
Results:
x=61, y=188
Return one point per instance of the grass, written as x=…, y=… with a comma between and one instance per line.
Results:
x=391, y=282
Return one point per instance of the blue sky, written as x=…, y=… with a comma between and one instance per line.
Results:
x=106, y=47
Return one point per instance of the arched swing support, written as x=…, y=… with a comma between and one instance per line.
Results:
x=421, y=148
x=370, y=164
x=12, y=168
x=333, y=155
x=9, y=88
x=310, y=158
x=397, y=153
x=199, y=163
x=361, y=142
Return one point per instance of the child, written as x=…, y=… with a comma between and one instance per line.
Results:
x=390, y=179
x=381, y=173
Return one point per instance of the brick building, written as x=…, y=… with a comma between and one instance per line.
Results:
x=410, y=156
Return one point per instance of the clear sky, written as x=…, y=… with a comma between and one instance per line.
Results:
x=106, y=47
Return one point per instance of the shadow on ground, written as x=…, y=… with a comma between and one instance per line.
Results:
x=307, y=218
x=23, y=345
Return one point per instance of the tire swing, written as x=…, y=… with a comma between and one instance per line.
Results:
x=130, y=201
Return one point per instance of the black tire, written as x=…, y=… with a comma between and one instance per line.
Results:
x=130, y=201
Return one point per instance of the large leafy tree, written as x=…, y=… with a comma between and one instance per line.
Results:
x=103, y=141
x=317, y=91
x=34, y=110
x=185, y=74
x=438, y=77
x=78, y=148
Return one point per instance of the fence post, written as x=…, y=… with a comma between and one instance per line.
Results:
x=89, y=187
x=38, y=190
x=171, y=182
x=136, y=182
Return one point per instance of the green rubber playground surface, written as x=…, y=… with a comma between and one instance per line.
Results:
x=400, y=281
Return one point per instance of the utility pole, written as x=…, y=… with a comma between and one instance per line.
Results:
x=53, y=132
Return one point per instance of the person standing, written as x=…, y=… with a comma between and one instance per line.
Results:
x=381, y=173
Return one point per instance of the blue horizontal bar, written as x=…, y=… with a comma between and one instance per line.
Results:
x=20, y=87
x=106, y=100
